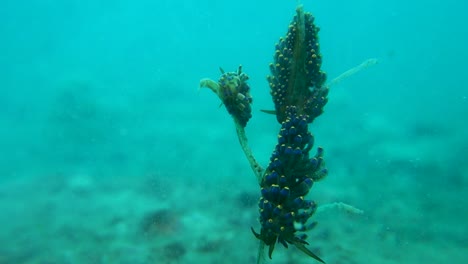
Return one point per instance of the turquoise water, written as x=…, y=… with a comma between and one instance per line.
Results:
x=111, y=154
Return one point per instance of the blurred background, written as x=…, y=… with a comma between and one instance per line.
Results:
x=109, y=153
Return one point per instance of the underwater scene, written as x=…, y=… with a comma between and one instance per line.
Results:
x=280, y=132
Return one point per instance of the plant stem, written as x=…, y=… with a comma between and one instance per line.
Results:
x=261, y=253
x=256, y=168
x=352, y=71
x=258, y=171
x=339, y=206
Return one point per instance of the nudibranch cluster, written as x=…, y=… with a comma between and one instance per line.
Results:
x=298, y=91
x=288, y=179
x=296, y=78
x=234, y=92
x=299, y=95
